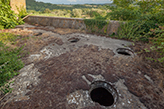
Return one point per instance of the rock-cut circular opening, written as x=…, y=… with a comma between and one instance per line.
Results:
x=102, y=96
x=124, y=51
x=103, y=93
x=73, y=40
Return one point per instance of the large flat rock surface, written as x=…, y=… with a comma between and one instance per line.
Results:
x=60, y=69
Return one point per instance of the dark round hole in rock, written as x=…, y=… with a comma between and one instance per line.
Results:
x=124, y=51
x=103, y=93
x=102, y=96
x=73, y=40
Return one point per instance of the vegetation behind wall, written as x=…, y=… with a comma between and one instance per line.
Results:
x=144, y=22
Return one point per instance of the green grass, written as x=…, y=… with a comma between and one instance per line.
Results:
x=10, y=61
x=7, y=37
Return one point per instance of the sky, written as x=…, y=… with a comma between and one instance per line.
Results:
x=76, y=1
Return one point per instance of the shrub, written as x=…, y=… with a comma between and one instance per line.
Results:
x=131, y=30
x=7, y=17
x=157, y=37
x=151, y=20
x=123, y=14
x=9, y=60
x=9, y=65
x=7, y=37
x=22, y=12
x=1, y=27
x=96, y=25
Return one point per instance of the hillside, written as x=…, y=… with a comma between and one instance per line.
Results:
x=40, y=6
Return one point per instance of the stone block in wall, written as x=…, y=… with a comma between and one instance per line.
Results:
x=45, y=21
x=55, y=23
x=36, y=20
x=73, y=24
x=50, y=21
x=66, y=23
x=76, y=26
x=113, y=27
x=80, y=24
x=70, y=23
x=61, y=23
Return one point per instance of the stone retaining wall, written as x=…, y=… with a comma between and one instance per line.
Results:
x=74, y=23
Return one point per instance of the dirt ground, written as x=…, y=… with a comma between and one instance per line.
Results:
x=56, y=70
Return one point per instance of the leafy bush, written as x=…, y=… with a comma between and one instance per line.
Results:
x=96, y=25
x=133, y=9
x=131, y=30
x=1, y=27
x=9, y=60
x=141, y=16
x=123, y=14
x=9, y=65
x=22, y=12
x=150, y=6
x=157, y=37
x=7, y=17
x=151, y=20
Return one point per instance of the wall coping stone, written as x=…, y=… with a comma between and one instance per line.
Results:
x=62, y=22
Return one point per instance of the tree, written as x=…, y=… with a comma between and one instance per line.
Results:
x=123, y=3
x=47, y=10
x=150, y=6
x=136, y=9
x=76, y=12
x=145, y=6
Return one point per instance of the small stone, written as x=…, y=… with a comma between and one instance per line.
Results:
x=139, y=72
x=148, y=78
x=129, y=102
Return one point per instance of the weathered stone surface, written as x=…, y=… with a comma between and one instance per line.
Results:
x=74, y=23
x=56, y=22
x=113, y=27
x=64, y=72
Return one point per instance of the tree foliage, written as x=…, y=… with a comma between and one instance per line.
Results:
x=143, y=21
x=148, y=10
x=41, y=6
x=76, y=12
x=144, y=6
x=123, y=3
x=47, y=10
